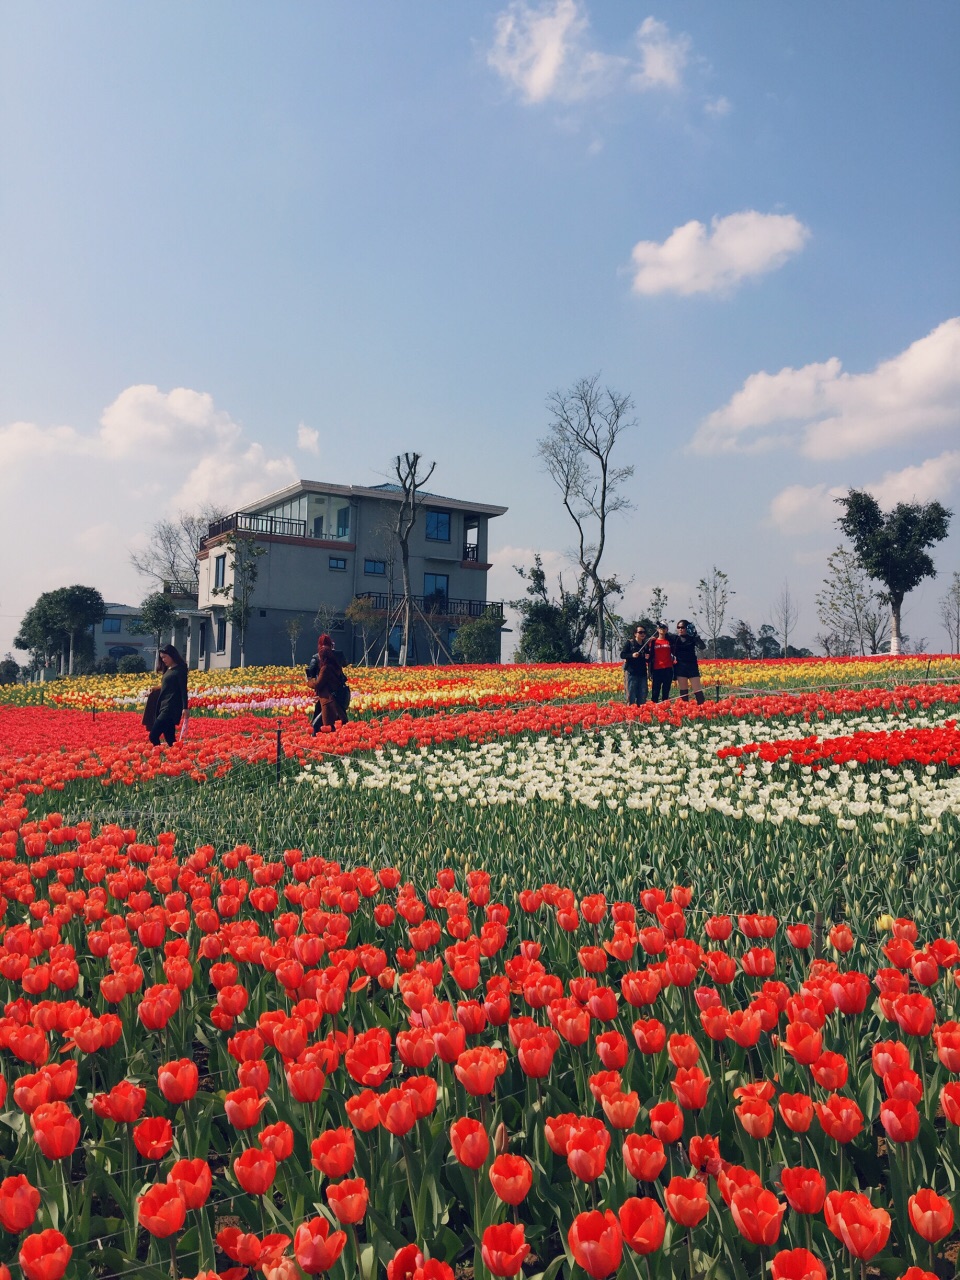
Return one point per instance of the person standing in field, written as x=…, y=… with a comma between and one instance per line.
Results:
x=660, y=658
x=171, y=705
x=634, y=655
x=325, y=677
x=685, y=645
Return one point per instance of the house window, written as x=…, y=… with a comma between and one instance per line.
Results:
x=263, y=613
x=438, y=526
x=337, y=564
x=202, y=640
x=343, y=522
x=318, y=526
x=221, y=634
x=219, y=571
x=435, y=588
x=338, y=624
x=111, y=624
x=375, y=566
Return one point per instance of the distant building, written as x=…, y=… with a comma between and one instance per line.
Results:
x=112, y=637
x=325, y=545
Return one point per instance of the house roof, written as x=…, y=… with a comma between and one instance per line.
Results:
x=381, y=492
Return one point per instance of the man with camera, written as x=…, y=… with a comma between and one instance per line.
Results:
x=634, y=655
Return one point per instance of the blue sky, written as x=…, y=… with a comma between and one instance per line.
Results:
x=243, y=243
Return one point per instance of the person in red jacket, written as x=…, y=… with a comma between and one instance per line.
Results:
x=660, y=657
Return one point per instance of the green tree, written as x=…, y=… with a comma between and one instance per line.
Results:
x=478, y=640
x=57, y=620
x=41, y=632
x=242, y=556
x=586, y=425
x=9, y=669
x=657, y=608
x=768, y=645
x=892, y=545
x=552, y=630
x=158, y=617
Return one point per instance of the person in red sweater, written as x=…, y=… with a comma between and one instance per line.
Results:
x=660, y=657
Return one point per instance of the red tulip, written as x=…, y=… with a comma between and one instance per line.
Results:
x=758, y=1214
x=56, y=1130
x=900, y=1119
x=278, y=1140
x=805, y=1189
x=194, y=1180
x=161, y=1209
x=687, y=1201
x=511, y=1178
x=504, y=1248
x=333, y=1152
x=19, y=1201
x=797, y=1264
x=316, y=1247
x=153, y=1137
x=596, y=1243
x=690, y=1086
x=44, y=1256
x=470, y=1142
x=851, y=1217
x=243, y=1107
x=348, y=1199
x=666, y=1122
x=840, y=1118
x=178, y=1081
x=796, y=1111
x=643, y=1224
x=363, y=1111
x=255, y=1170
x=644, y=1157
x=477, y=1069
x=931, y=1216
x=756, y=1116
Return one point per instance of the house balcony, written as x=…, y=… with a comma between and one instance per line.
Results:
x=435, y=606
x=272, y=527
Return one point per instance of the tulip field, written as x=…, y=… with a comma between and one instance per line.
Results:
x=502, y=978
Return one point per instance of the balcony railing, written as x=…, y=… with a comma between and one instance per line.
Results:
x=471, y=551
x=435, y=605
x=240, y=522
x=181, y=587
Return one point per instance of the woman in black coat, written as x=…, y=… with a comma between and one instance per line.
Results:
x=685, y=645
x=172, y=702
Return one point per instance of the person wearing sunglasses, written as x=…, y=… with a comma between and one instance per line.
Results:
x=661, y=659
x=634, y=655
x=686, y=642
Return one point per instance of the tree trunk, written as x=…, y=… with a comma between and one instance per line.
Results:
x=895, y=626
x=407, y=604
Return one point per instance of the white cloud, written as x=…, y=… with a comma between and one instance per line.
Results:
x=88, y=497
x=143, y=419
x=537, y=49
x=718, y=106
x=308, y=439
x=695, y=260
x=662, y=56
x=829, y=413
x=801, y=509
x=545, y=52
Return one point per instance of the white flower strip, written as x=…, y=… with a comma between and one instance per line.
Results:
x=662, y=770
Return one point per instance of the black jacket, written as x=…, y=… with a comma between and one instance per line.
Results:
x=685, y=648
x=636, y=666
x=173, y=696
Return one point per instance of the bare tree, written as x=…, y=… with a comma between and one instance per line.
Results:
x=844, y=602
x=363, y=617
x=293, y=627
x=587, y=423
x=171, y=555
x=785, y=614
x=406, y=468
x=713, y=593
x=949, y=604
